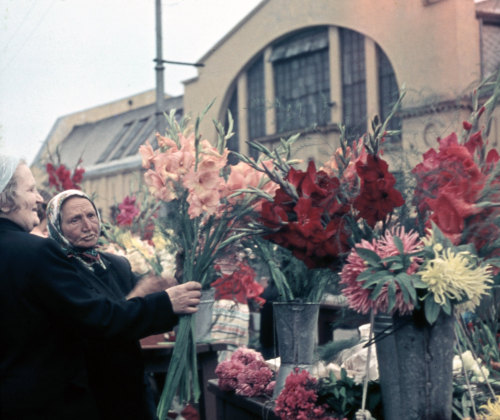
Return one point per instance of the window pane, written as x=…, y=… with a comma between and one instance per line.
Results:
x=388, y=92
x=302, y=81
x=353, y=82
x=256, y=100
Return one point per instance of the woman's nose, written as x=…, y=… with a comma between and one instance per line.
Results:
x=86, y=224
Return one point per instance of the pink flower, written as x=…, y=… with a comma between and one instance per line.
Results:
x=157, y=186
x=359, y=298
x=147, y=153
x=246, y=373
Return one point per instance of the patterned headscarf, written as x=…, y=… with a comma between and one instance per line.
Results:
x=8, y=165
x=87, y=256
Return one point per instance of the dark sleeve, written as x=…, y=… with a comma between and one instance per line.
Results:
x=58, y=289
x=124, y=277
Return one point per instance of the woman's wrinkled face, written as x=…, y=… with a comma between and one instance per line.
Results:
x=26, y=200
x=79, y=222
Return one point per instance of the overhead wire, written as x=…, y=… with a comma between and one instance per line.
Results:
x=30, y=35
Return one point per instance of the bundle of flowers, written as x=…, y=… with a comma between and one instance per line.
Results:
x=299, y=398
x=239, y=286
x=193, y=180
x=317, y=215
x=134, y=236
x=246, y=373
x=156, y=255
x=447, y=264
x=60, y=176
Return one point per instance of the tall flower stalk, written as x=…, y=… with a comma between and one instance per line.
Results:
x=192, y=177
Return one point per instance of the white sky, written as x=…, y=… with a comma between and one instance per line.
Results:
x=62, y=56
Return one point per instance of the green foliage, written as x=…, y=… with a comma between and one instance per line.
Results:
x=343, y=396
x=294, y=281
x=390, y=272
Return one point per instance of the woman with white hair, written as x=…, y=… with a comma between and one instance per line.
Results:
x=46, y=311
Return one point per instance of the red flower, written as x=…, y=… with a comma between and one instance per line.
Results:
x=61, y=179
x=377, y=197
x=298, y=399
x=239, y=286
x=449, y=183
x=128, y=211
x=312, y=226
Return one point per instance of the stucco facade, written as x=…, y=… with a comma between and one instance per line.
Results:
x=433, y=46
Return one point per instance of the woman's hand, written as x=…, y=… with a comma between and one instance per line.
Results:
x=151, y=284
x=185, y=297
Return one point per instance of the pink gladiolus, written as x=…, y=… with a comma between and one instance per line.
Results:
x=147, y=153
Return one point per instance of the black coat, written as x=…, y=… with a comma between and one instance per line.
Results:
x=46, y=311
x=115, y=366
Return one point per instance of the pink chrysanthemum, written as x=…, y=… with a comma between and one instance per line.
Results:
x=358, y=298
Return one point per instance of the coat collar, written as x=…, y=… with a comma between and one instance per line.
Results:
x=7, y=224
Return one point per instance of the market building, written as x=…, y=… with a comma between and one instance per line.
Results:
x=306, y=66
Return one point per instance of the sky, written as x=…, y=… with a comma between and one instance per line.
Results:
x=58, y=57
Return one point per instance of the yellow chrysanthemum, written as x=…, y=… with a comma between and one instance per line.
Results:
x=455, y=276
x=493, y=409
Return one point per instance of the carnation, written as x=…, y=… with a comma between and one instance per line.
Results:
x=246, y=373
x=298, y=399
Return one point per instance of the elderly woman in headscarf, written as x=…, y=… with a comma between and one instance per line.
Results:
x=116, y=371
x=47, y=309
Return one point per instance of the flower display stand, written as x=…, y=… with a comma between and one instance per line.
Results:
x=415, y=366
x=230, y=406
x=297, y=332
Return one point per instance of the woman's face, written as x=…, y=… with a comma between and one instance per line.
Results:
x=79, y=222
x=27, y=199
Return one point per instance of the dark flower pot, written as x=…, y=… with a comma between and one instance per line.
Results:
x=415, y=366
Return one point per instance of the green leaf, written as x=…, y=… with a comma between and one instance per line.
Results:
x=386, y=277
x=369, y=256
x=391, y=294
x=370, y=274
x=377, y=290
x=431, y=309
x=399, y=244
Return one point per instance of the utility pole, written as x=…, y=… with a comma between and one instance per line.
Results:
x=160, y=89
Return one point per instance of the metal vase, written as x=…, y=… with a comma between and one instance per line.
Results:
x=296, y=326
x=415, y=366
x=203, y=317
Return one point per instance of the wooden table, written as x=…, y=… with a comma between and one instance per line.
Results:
x=236, y=407
x=157, y=353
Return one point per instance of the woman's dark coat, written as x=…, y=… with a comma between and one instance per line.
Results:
x=46, y=311
x=115, y=367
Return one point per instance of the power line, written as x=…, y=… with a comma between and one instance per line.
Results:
x=19, y=26
x=29, y=36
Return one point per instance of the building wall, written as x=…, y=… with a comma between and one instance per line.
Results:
x=434, y=50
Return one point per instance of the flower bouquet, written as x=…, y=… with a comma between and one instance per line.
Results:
x=192, y=178
x=422, y=277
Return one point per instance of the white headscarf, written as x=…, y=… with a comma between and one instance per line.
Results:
x=8, y=165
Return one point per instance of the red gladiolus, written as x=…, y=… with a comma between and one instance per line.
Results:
x=377, y=197
x=128, y=211
x=312, y=226
x=449, y=183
